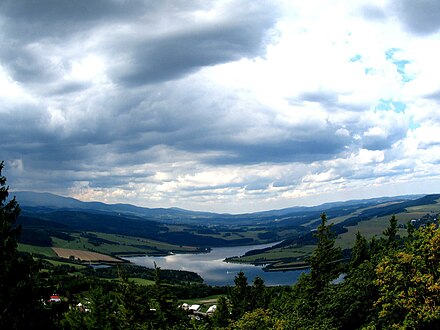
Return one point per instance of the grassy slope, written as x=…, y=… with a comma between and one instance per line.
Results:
x=38, y=250
x=123, y=245
x=62, y=263
x=369, y=228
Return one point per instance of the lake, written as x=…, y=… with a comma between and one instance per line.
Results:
x=211, y=267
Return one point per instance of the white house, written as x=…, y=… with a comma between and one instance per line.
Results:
x=211, y=309
x=194, y=308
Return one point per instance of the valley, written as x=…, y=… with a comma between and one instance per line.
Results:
x=114, y=231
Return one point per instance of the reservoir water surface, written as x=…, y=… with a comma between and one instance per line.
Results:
x=211, y=267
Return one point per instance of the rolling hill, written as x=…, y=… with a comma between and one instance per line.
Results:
x=47, y=215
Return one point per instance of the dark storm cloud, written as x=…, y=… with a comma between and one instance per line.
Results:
x=26, y=64
x=197, y=119
x=379, y=142
x=42, y=19
x=322, y=146
x=149, y=52
x=66, y=88
x=172, y=55
x=165, y=123
x=31, y=28
x=420, y=17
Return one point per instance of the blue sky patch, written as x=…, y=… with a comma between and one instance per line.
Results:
x=400, y=64
x=387, y=105
x=413, y=125
x=356, y=58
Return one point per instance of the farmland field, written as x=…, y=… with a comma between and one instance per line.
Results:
x=83, y=255
x=119, y=244
x=36, y=250
x=61, y=263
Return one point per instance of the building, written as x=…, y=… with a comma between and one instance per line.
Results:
x=54, y=298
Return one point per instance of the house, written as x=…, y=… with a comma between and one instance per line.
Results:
x=54, y=298
x=194, y=308
x=211, y=309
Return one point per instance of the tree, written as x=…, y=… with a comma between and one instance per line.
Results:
x=324, y=262
x=103, y=307
x=220, y=319
x=258, y=319
x=259, y=294
x=134, y=305
x=359, y=252
x=168, y=315
x=9, y=234
x=409, y=283
x=391, y=234
x=304, y=306
x=20, y=305
x=239, y=296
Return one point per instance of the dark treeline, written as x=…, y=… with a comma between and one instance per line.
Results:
x=387, y=283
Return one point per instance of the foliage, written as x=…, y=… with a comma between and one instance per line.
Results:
x=359, y=252
x=324, y=262
x=257, y=319
x=221, y=316
x=239, y=296
x=391, y=234
x=409, y=283
x=309, y=295
x=19, y=301
x=386, y=284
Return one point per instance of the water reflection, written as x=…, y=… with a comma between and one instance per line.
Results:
x=214, y=270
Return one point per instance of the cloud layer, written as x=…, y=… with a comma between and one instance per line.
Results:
x=220, y=105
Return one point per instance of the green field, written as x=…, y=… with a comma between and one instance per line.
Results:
x=62, y=263
x=433, y=208
x=37, y=250
x=141, y=281
x=122, y=245
x=82, y=243
x=288, y=254
x=137, y=241
x=369, y=229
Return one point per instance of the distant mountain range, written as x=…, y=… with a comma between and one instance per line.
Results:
x=46, y=202
x=45, y=216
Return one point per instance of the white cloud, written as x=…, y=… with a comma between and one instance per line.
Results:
x=219, y=106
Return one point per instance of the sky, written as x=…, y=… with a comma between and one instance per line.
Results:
x=223, y=106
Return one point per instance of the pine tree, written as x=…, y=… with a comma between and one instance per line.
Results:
x=360, y=251
x=20, y=307
x=391, y=234
x=239, y=296
x=9, y=232
x=220, y=319
x=324, y=262
x=259, y=294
